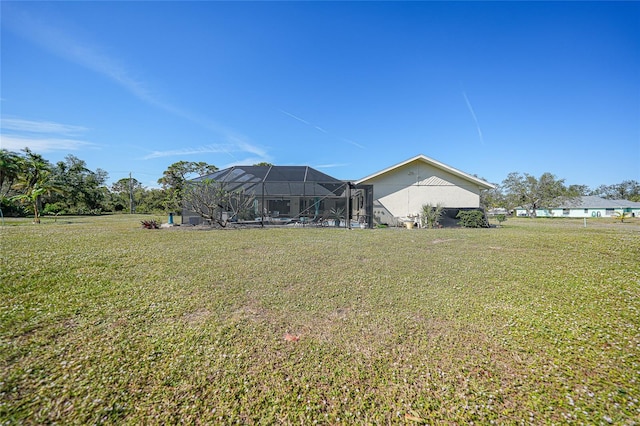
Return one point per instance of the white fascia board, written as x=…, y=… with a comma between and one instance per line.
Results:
x=431, y=161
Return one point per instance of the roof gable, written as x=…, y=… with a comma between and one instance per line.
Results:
x=434, y=163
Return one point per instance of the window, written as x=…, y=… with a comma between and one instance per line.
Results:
x=586, y=211
x=609, y=212
x=279, y=207
x=565, y=212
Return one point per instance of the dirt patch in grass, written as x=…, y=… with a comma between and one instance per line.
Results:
x=443, y=240
x=196, y=316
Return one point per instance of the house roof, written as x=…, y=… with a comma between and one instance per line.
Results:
x=270, y=174
x=430, y=161
x=593, y=202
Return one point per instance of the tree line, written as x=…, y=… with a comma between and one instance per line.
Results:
x=547, y=191
x=32, y=185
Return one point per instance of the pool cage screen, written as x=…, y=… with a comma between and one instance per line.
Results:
x=289, y=195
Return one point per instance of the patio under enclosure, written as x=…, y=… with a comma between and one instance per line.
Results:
x=283, y=195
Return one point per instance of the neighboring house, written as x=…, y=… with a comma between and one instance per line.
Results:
x=400, y=191
x=588, y=206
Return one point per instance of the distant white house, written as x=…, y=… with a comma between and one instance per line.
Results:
x=588, y=206
x=401, y=190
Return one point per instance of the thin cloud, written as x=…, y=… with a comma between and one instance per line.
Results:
x=40, y=136
x=244, y=146
x=208, y=149
x=31, y=126
x=473, y=114
x=245, y=161
x=90, y=56
x=331, y=165
x=65, y=45
x=229, y=149
x=16, y=143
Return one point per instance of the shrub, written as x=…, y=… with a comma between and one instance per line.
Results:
x=622, y=216
x=471, y=219
x=431, y=215
x=54, y=209
x=150, y=224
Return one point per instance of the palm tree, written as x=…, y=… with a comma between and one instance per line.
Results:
x=431, y=215
x=9, y=170
x=622, y=215
x=34, y=180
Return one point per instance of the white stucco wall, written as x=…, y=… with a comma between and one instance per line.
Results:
x=403, y=191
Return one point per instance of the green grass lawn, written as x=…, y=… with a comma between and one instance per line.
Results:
x=537, y=322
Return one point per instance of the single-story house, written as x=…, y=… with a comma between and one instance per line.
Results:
x=400, y=191
x=301, y=194
x=588, y=206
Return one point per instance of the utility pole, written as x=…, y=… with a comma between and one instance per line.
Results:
x=130, y=194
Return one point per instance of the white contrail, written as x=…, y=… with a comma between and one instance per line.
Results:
x=320, y=129
x=356, y=144
x=295, y=117
x=473, y=114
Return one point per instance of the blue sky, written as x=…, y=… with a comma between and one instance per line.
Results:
x=349, y=88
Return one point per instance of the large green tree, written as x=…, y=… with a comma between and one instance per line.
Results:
x=174, y=180
x=626, y=190
x=150, y=200
x=579, y=190
x=84, y=189
x=491, y=198
x=126, y=193
x=531, y=193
